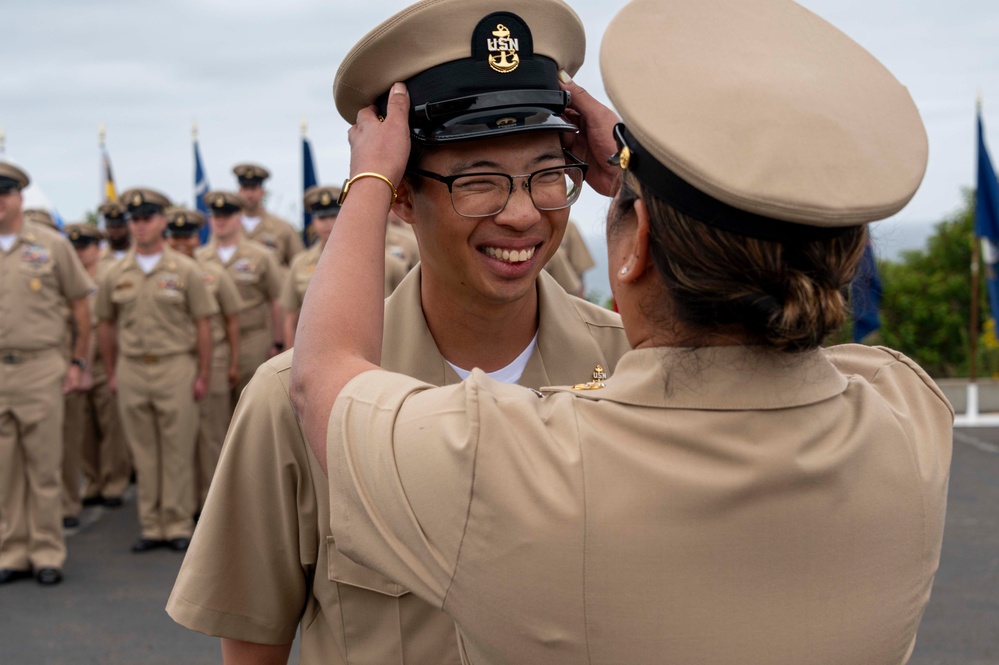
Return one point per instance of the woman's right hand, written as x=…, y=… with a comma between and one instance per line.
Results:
x=382, y=145
x=594, y=143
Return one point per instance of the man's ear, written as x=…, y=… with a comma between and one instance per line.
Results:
x=403, y=206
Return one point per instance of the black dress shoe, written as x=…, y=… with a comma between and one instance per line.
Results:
x=48, y=576
x=12, y=575
x=113, y=502
x=91, y=501
x=146, y=544
x=179, y=544
x=70, y=522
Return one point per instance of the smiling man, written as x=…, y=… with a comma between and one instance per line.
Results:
x=488, y=194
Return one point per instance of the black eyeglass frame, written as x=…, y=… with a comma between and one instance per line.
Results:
x=449, y=180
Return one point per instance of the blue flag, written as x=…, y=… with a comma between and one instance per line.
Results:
x=987, y=218
x=200, y=189
x=308, y=180
x=865, y=296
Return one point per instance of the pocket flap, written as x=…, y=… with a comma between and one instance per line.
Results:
x=344, y=571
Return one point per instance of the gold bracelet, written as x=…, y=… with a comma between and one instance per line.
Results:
x=350, y=181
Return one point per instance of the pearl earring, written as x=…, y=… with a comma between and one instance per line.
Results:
x=624, y=270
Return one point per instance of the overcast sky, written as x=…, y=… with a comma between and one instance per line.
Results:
x=249, y=70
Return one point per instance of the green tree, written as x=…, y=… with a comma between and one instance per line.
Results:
x=926, y=307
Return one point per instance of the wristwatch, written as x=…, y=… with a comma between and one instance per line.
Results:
x=79, y=362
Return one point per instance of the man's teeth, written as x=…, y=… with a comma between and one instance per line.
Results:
x=509, y=256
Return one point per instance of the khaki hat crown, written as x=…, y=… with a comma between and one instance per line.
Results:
x=111, y=210
x=321, y=197
x=184, y=218
x=39, y=216
x=17, y=176
x=80, y=231
x=248, y=171
x=473, y=68
x=221, y=201
x=143, y=196
x=760, y=117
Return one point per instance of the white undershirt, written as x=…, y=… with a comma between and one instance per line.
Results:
x=119, y=255
x=509, y=374
x=250, y=223
x=7, y=241
x=148, y=261
x=225, y=253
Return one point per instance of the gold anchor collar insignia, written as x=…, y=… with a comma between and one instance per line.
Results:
x=599, y=376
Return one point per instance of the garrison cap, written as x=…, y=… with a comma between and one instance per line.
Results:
x=760, y=117
x=473, y=68
x=39, y=216
x=322, y=201
x=225, y=203
x=82, y=234
x=143, y=201
x=251, y=175
x=183, y=221
x=12, y=177
x=113, y=213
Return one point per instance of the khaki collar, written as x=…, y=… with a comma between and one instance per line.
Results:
x=27, y=234
x=409, y=348
x=212, y=249
x=168, y=260
x=719, y=378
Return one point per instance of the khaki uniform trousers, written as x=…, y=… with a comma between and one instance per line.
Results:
x=76, y=426
x=254, y=347
x=31, y=415
x=94, y=441
x=160, y=418
x=214, y=415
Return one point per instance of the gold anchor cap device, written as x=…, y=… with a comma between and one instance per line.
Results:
x=473, y=69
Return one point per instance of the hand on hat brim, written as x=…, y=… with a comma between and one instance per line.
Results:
x=594, y=144
x=382, y=145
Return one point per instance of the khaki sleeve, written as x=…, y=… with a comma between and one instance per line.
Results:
x=579, y=253
x=73, y=277
x=295, y=244
x=289, y=297
x=199, y=298
x=230, y=301
x=244, y=577
x=273, y=276
x=105, y=306
x=399, y=502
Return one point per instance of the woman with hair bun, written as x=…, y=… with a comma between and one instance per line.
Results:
x=735, y=493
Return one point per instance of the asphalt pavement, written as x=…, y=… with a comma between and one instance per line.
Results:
x=109, y=608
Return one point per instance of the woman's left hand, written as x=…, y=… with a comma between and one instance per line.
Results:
x=382, y=145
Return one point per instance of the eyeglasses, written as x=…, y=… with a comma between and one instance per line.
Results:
x=486, y=194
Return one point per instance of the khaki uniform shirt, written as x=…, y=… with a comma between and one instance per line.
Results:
x=277, y=235
x=560, y=268
x=257, y=276
x=262, y=559
x=107, y=256
x=715, y=505
x=576, y=250
x=402, y=245
x=39, y=276
x=155, y=313
x=223, y=289
x=304, y=265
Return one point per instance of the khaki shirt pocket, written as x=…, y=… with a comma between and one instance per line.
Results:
x=371, y=611
x=124, y=294
x=344, y=571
